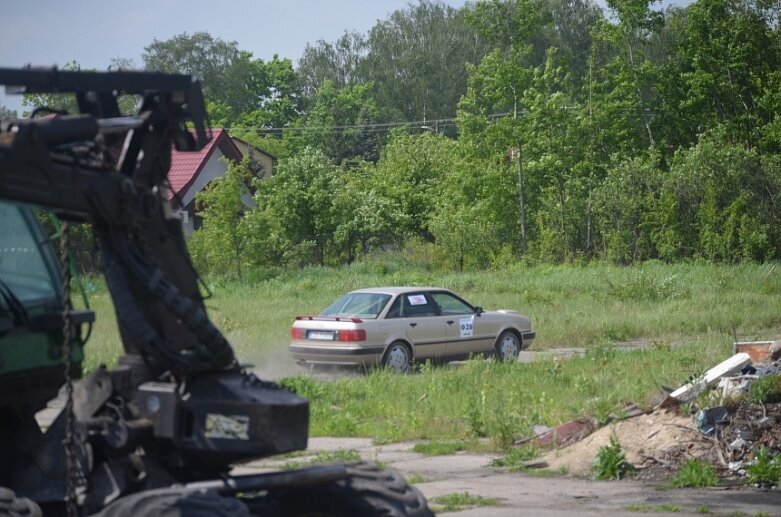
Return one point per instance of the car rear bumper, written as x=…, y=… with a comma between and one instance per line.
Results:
x=343, y=355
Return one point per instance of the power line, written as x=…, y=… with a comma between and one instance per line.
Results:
x=373, y=127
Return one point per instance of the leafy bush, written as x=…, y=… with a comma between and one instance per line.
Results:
x=611, y=462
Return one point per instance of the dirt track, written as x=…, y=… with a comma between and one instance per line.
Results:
x=521, y=494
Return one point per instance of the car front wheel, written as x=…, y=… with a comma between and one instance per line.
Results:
x=398, y=357
x=508, y=346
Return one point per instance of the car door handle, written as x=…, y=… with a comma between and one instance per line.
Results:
x=450, y=322
x=413, y=324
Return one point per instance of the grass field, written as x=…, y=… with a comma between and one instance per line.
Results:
x=702, y=305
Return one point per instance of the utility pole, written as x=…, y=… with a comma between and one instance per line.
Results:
x=521, y=204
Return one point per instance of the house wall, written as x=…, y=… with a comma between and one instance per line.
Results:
x=266, y=161
x=214, y=168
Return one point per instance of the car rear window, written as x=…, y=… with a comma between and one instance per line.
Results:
x=361, y=305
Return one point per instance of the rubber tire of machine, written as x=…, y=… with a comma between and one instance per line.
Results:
x=367, y=491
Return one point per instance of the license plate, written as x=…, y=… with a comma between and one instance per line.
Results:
x=320, y=334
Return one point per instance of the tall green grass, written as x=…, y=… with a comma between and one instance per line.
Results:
x=593, y=306
x=570, y=305
x=501, y=402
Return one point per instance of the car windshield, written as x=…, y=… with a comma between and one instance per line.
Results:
x=361, y=305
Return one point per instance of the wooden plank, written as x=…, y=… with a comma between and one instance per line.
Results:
x=758, y=350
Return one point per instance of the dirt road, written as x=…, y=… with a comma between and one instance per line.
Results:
x=521, y=494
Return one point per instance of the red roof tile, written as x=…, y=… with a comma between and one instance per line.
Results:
x=185, y=166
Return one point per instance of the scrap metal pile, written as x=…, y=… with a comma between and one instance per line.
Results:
x=738, y=404
x=726, y=417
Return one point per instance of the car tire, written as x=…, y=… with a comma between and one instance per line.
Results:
x=367, y=491
x=508, y=346
x=398, y=357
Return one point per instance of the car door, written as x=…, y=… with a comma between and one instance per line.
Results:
x=425, y=327
x=467, y=332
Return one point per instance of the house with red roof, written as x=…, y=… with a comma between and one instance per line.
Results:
x=191, y=172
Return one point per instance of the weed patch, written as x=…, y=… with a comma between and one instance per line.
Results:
x=516, y=458
x=765, y=390
x=766, y=470
x=695, y=474
x=611, y=462
x=460, y=501
x=342, y=455
x=438, y=448
x=648, y=508
x=545, y=473
x=415, y=479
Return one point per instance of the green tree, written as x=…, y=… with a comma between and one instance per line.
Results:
x=220, y=244
x=726, y=197
x=625, y=204
x=416, y=61
x=339, y=63
x=6, y=112
x=723, y=69
x=296, y=207
x=363, y=217
x=553, y=149
x=410, y=174
x=278, y=101
x=623, y=90
x=233, y=82
x=341, y=124
x=57, y=102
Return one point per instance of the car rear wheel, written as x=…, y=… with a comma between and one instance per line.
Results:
x=508, y=346
x=398, y=357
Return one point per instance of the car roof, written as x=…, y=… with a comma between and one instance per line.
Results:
x=397, y=290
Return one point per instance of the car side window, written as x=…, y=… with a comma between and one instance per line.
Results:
x=451, y=305
x=418, y=304
x=395, y=309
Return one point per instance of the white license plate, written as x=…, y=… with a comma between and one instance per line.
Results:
x=320, y=334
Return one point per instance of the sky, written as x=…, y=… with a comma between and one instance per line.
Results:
x=92, y=32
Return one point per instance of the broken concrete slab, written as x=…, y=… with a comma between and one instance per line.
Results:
x=727, y=368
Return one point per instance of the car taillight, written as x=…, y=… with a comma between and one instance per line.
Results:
x=351, y=335
x=297, y=333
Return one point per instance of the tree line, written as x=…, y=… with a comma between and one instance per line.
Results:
x=538, y=130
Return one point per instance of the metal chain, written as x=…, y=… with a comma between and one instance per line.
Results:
x=72, y=466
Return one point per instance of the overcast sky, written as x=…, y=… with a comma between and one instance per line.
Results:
x=92, y=32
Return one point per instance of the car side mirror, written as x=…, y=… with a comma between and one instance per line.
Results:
x=478, y=310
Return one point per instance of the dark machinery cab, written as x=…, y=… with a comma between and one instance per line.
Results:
x=31, y=307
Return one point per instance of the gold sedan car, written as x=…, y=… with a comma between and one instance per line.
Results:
x=395, y=326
